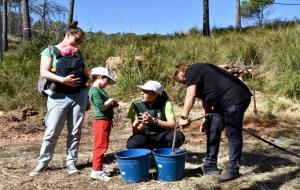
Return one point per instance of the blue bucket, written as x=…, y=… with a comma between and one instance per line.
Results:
x=170, y=166
x=134, y=165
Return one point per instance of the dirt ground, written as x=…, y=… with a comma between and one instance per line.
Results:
x=263, y=167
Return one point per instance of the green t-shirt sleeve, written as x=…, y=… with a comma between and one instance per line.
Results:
x=169, y=110
x=96, y=99
x=132, y=113
x=46, y=52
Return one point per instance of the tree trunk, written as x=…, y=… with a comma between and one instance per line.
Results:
x=9, y=26
x=4, y=25
x=18, y=27
x=261, y=18
x=1, y=40
x=238, y=15
x=71, y=10
x=206, y=29
x=44, y=17
x=26, y=20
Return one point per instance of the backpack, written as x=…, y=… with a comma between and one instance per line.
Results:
x=66, y=65
x=42, y=85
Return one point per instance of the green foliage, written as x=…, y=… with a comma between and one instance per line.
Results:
x=253, y=9
x=276, y=51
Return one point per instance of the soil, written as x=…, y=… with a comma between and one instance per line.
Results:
x=263, y=167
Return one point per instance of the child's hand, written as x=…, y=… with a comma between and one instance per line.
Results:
x=114, y=104
x=109, y=102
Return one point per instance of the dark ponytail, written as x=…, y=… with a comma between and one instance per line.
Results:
x=74, y=29
x=73, y=24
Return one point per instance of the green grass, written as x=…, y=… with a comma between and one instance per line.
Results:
x=276, y=51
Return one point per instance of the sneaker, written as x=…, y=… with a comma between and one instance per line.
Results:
x=214, y=170
x=100, y=175
x=37, y=170
x=71, y=168
x=227, y=176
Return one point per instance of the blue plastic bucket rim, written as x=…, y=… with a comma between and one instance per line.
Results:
x=177, y=153
x=147, y=151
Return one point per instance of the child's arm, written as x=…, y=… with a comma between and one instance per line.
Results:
x=98, y=100
x=108, y=103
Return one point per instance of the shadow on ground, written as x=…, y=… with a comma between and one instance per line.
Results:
x=268, y=163
x=265, y=162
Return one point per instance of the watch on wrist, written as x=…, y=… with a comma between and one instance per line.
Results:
x=184, y=117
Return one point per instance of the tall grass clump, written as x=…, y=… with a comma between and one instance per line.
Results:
x=19, y=74
x=275, y=52
x=284, y=60
x=133, y=72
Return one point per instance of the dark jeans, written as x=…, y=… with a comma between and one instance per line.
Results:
x=233, y=124
x=155, y=141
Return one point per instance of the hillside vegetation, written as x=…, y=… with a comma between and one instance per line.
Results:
x=275, y=51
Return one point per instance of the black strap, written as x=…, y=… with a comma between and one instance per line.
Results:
x=55, y=51
x=247, y=131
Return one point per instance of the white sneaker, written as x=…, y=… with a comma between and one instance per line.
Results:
x=37, y=170
x=71, y=168
x=100, y=175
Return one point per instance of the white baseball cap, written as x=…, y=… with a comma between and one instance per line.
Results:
x=103, y=72
x=153, y=86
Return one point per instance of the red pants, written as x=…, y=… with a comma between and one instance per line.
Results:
x=101, y=130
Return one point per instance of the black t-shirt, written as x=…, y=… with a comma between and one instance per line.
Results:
x=216, y=86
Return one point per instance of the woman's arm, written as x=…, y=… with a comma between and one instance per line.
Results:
x=169, y=124
x=170, y=118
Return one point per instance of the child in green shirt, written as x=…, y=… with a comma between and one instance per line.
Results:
x=102, y=107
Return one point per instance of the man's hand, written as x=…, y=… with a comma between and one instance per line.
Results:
x=184, y=122
x=203, y=127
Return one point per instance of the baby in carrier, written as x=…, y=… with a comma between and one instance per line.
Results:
x=69, y=62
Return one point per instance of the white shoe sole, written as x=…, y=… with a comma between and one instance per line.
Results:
x=73, y=172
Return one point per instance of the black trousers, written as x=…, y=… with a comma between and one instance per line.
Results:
x=233, y=124
x=155, y=141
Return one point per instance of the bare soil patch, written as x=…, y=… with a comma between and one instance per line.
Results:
x=263, y=167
